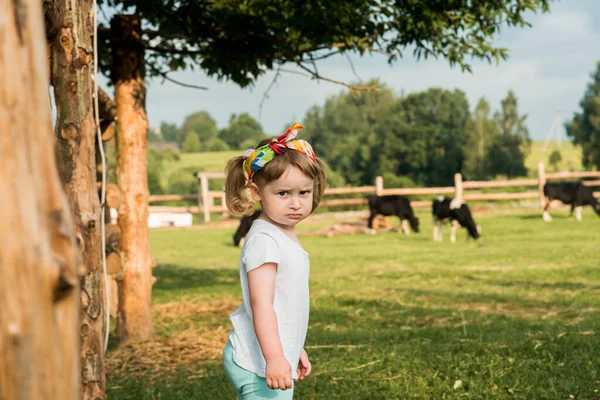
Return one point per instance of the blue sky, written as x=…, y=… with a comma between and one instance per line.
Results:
x=548, y=68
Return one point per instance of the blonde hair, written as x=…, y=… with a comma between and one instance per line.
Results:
x=237, y=192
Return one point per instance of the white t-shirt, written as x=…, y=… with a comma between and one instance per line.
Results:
x=267, y=243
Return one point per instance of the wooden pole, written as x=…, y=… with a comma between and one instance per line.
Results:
x=75, y=129
x=134, y=321
x=541, y=183
x=458, y=186
x=200, y=192
x=206, y=200
x=40, y=340
x=379, y=185
x=225, y=214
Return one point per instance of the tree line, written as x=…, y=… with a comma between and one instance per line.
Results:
x=422, y=138
x=199, y=133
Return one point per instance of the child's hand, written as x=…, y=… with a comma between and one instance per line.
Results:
x=304, y=366
x=279, y=374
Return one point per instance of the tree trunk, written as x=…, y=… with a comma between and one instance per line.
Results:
x=135, y=314
x=72, y=54
x=39, y=340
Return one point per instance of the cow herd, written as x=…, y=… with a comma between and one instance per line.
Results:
x=456, y=212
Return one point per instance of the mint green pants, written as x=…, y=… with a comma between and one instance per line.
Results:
x=248, y=385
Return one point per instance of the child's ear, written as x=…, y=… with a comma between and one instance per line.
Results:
x=255, y=192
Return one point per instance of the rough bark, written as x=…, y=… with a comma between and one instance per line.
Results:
x=52, y=18
x=135, y=289
x=39, y=344
x=71, y=62
x=107, y=109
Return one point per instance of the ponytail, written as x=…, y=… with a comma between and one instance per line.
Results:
x=237, y=193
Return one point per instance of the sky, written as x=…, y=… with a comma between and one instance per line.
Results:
x=549, y=67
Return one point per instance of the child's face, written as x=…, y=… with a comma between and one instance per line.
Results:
x=287, y=200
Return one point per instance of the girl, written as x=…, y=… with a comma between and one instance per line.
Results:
x=265, y=347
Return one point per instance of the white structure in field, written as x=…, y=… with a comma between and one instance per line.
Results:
x=161, y=220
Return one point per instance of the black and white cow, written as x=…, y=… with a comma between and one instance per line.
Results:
x=244, y=228
x=574, y=193
x=393, y=205
x=457, y=212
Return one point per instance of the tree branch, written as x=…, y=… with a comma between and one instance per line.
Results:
x=154, y=34
x=354, y=88
x=173, y=51
x=266, y=93
x=352, y=67
x=166, y=77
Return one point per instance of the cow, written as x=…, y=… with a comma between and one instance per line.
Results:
x=393, y=205
x=458, y=213
x=574, y=193
x=244, y=228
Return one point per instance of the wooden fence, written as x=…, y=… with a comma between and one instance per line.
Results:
x=206, y=198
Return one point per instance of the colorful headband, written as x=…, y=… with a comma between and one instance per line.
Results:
x=255, y=159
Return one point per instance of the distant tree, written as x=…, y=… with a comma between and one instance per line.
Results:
x=242, y=128
x=584, y=129
x=200, y=123
x=155, y=169
x=512, y=144
x=169, y=132
x=183, y=181
x=192, y=143
x=170, y=155
x=505, y=157
x=343, y=132
x=154, y=136
x=429, y=146
x=421, y=136
x=481, y=130
x=555, y=159
x=215, y=144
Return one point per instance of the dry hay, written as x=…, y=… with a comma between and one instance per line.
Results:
x=352, y=228
x=188, y=349
x=186, y=309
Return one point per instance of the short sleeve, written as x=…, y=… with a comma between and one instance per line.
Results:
x=260, y=249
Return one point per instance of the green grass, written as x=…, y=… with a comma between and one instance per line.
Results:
x=212, y=162
x=571, y=157
x=513, y=316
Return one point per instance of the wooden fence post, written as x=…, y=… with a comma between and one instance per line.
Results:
x=379, y=185
x=225, y=214
x=206, y=203
x=199, y=192
x=541, y=183
x=458, y=186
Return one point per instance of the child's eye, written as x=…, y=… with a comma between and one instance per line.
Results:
x=304, y=192
x=282, y=193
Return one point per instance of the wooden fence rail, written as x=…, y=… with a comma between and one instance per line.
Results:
x=206, y=198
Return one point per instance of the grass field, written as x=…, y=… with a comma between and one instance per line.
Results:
x=513, y=316
x=571, y=159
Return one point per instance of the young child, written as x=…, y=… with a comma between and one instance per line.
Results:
x=265, y=352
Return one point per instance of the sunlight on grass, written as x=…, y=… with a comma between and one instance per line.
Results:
x=514, y=315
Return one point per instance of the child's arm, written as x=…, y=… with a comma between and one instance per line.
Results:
x=261, y=282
